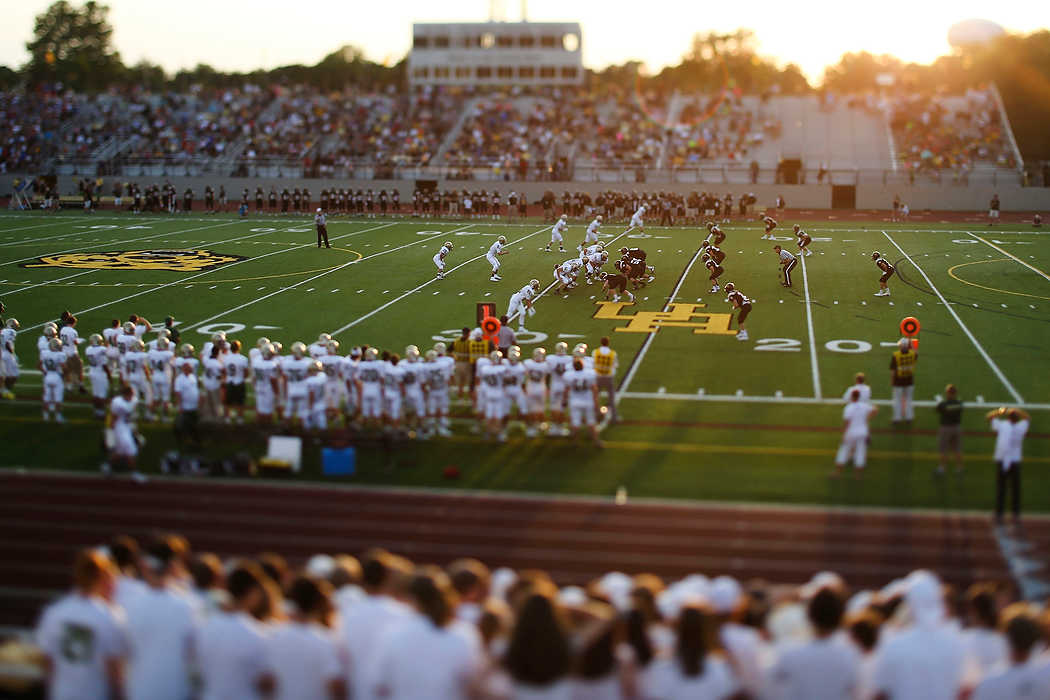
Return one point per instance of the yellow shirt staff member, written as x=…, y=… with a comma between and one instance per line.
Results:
x=605, y=363
x=902, y=377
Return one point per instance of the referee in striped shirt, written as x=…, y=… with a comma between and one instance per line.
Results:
x=788, y=262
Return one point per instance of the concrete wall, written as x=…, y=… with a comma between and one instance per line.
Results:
x=875, y=196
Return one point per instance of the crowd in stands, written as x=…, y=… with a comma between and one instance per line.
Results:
x=709, y=129
x=31, y=126
x=940, y=133
x=507, y=135
x=170, y=622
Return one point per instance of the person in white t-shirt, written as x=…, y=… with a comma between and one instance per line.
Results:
x=162, y=622
x=860, y=383
x=985, y=644
x=187, y=402
x=453, y=659
x=855, y=434
x=1025, y=677
x=824, y=668
x=1010, y=426
x=743, y=644
x=83, y=637
x=231, y=647
x=304, y=655
x=123, y=447
x=695, y=670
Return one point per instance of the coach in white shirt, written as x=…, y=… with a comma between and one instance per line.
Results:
x=162, y=621
x=860, y=384
x=855, y=434
x=1010, y=428
x=83, y=637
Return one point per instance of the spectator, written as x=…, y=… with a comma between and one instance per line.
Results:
x=696, y=668
x=987, y=647
x=538, y=655
x=1022, y=678
x=1010, y=428
x=949, y=433
x=84, y=638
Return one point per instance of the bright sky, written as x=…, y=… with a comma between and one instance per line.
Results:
x=267, y=33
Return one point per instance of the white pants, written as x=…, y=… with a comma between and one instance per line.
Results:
x=855, y=444
x=54, y=389
x=316, y=418
x=903, y=406
x=371, y=405
x=556, y=237
x=437, y=402
x=440, y=263
x=581, y=414
x=515, y=396
x=558, y=397
x=392, y=406
x=298, y=404
x=416, y=403
x=590, y=238
x=161, y=388
x=334, y=390
x=494, y=405
x=264, y=399
x=516, y=307
x=636, y=222
x=534, y=397
x=99, y=383
x=9, y=366
x=493, y=260
x=124, y=443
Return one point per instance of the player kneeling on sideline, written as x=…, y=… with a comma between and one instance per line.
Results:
x=803, y=241
x=437, y=372
x=742, y=304
x=491, y=400
x=615, y=283
x=855, y=418
x=536, y=372
x=414, y=383
x=583, y=399
x=513, y=386
x=98, y=373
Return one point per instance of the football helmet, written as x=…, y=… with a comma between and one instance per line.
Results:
x=412, y=353
x=277, y=347
x=371, y=354
x=138, y=346
x=163, y=333
x=539, y=354
x=96, y=339
x=580, y=350
x=604, y=257
x=796, y=228
x=875, y=255
x=50, y=332
x=267, y=351
x=314, y=368
x=218, y=337
x=561, y=348
x=564, y=217
x=705, y=258
x=603, y=275
x=440, y=348
x=623, y=251
x=129, y=328
x=298, y=350
x=598, y=218
x=431, y=355
x=333, y=347
x=163, y=344
x=728, y=287
x=186, y=350
x=710, y=225
x=54, y=344
x=495, y=357
x=514, y=353
x=534, y=283
x=323, y=339
x=448, y=244
x=502, y=240
x=262, y=342
x=13, y=324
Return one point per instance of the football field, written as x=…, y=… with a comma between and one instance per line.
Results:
x=704, y=415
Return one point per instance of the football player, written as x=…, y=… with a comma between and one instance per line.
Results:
x=560, y=363
x=521, y=303
x=887, y=271
x=8, y=359
x=716, y=253
x=565, y=275
x=212, y=379
x=316, y=418
x=74, y=370
x=770, y=225
x=393, y=391
x=593, y=265
x=583, y=399
x=332, y=364
x=714, y=234
x=439, y=259
x=161, y=363
x=636, y=220
x=414, y=382
x=740, y=303
x=350, y=366
x=558, y=234
x=52, y=361
x=537, y=370
x=236, y=366
x=803, y=241
x=320, y=348
x=514, y=386
x=495, y=251
x=137, y=373
x=438, y=373
x=491, y=400
x=186, y=357
x=264, y=378
x=787, y=263
x=615, y=283
x=295, y=370
x=48, y=333
x=591, y=236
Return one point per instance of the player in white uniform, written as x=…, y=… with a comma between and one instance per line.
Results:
x=370, y=388
x=439, y=259
x=265, y=380
x=74, y=374
x=334, y=387
x=583, y=398
x=636, y=220
x=162, y=367
x=393, y=391
x=316, y=418
x=135, y=364
x=591, y=250
x=296, y=371
x=43, y=343
x=558, y=234
x=124, y=340
x=212, y=378
x=565, y=275
x=123, y=447
x=537, y=370
x=52, y=361
x=236, y=366
x=514, y=385
x=560, y=363
x=521, y=303
x=438, y=373
x=110, y=335
x=319, y=349
x=593, y=265
x=495, y=251
x=350, y=366
x=162, y=333
x=591, y=236
x=491, y=399
x=414, y=381
x=8, y=358
x=98, y=373
x=186, y=357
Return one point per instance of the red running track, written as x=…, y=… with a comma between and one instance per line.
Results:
x=45, y=518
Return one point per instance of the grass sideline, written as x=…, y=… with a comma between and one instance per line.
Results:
x=702, y=414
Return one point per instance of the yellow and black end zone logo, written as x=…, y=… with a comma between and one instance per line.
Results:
x=175, y=260
x=676, y=316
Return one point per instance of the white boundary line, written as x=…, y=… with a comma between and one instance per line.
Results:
x=318, y=276
x=812, y=338
x=207, y=272
x=430, y=281
x=1012, y=257
x=637, y=362
x=19, y=290
x=794, y=400
x=987, y=358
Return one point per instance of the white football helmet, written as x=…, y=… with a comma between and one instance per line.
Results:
x=514, y=354
x=502, y=240
x=448, y=244
x=440, y=348
x=495, y=357
x=13, y=324
x=431, y=355
x=539, y=354
x=96, y=339
x=333, y=347
x=163, y=344
x=267, y=351
x=323, y=339
x=412, y=353
x=186, y=350
x=580, y=350
x=561, y=348
x=534, y=283
x=54, y=344
x=371, y=354
x=50, y=332
x=298, y=350
x=262, y=342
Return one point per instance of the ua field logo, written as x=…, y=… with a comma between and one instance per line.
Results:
x=676, y=316
x=175, y=260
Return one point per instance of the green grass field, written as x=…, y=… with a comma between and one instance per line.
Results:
x=705, y=416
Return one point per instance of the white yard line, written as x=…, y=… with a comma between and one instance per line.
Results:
x=410, y=292
x=19, y=290
x=637, y=362
x=1012, y=257
x=32, y=240
x=793, y=400
x=318, y=276
x=980, y=349
x=812, y=338
x=87, y=230
x=207, y=272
